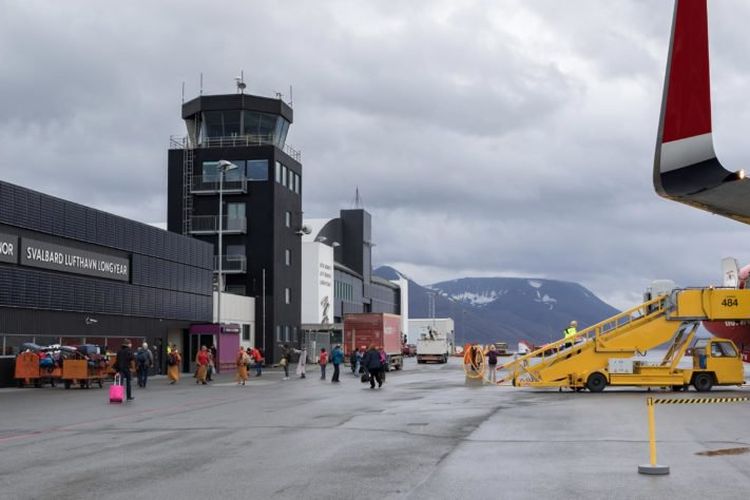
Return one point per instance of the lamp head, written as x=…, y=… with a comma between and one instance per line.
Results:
x=225, y=165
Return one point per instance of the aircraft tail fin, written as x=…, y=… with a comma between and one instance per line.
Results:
x=685, y=131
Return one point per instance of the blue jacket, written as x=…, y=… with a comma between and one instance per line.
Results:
x=337, y=356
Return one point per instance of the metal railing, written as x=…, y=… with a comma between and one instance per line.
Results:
x=209, y=224
x=234, y=141
x=201, y=184
x=231, y=264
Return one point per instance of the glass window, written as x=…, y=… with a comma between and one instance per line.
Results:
x=13, y=344
x=257, y=170
x=235, y=210
x=236, y=289
x=210, y=171
x=727, y=349
x=235, y=174
x=287, y=295
x=282, y=127
x=286, y=333
x=260, y=125
x=284, y=174
x=246, y=332
x=297, y=183
x=54, y=340
x=288, y=258
x=278, y=172
x=290, y=181
x=278, y=333
x=236, y=250
x=221, y=123
x=288, y=219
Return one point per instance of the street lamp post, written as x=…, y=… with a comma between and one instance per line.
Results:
x=224, y=166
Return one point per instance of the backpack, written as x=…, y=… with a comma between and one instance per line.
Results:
x=142, y=357
x=171, y=359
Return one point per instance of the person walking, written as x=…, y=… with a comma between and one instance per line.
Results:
x=353, y=361
x=373, y=366
x=492, y=364
x=144, y=361
x=360, y=353
x=286, y=356
x=173, y=365
x=211, y=364
x=201, y=362
x=323, y=361
x=337, y=358
x=383, y=362
x=257, y=356
x=301, y=362
x=243, y=360
x=123, y=362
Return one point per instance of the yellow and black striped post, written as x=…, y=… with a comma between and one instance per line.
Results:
x=652, y=468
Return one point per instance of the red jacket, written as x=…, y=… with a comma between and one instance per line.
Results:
x=203, y=358
x=323, y=358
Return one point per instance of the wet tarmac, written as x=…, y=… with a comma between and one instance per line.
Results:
x=425, y=434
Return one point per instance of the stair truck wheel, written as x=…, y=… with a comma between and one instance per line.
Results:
x=703, y=382
x=596, y=382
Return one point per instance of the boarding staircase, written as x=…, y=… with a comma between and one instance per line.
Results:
x=569, y=362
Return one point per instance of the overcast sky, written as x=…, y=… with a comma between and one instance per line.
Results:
x=497, y=138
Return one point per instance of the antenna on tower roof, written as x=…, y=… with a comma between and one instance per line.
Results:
x=357, y=203
x=201, y=91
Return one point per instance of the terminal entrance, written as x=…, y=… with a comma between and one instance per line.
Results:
x=194, y=341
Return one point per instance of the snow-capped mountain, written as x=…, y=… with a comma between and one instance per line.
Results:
x=506, y=309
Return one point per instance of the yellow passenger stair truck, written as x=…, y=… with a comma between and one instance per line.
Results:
x=603, y=354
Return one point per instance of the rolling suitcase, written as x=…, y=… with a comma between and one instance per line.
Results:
x=116, y=390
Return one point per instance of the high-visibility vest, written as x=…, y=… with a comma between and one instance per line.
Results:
x=570, y=332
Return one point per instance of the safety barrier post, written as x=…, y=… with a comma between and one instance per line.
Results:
x=652, y=468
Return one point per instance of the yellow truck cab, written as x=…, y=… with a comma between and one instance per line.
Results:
x=716, y=362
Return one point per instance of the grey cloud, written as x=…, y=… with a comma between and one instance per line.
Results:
x=487, y=138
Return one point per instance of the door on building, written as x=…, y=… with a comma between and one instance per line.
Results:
x=196, y=341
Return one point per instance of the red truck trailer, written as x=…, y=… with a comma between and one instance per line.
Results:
x=378, y=329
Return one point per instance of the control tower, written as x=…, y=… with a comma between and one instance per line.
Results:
x=261, y=204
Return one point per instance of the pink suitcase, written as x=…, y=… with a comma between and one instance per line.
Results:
x=116, y=390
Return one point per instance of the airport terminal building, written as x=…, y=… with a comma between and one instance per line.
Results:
x=71, y=274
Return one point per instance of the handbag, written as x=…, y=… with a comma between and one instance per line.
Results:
x=365, y=378
x=283, y=362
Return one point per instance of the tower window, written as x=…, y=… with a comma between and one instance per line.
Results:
x=257, y=170
x=288, y=258
x=288, y=295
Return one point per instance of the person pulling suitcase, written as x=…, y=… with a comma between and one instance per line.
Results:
x=123, y=362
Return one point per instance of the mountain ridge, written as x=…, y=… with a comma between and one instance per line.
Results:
x=505, y=309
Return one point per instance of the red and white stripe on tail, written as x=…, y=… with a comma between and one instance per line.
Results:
x=685, y=132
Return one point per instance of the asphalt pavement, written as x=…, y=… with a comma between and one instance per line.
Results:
x=425, y=434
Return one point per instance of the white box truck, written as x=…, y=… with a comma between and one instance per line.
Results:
x=436, y=339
